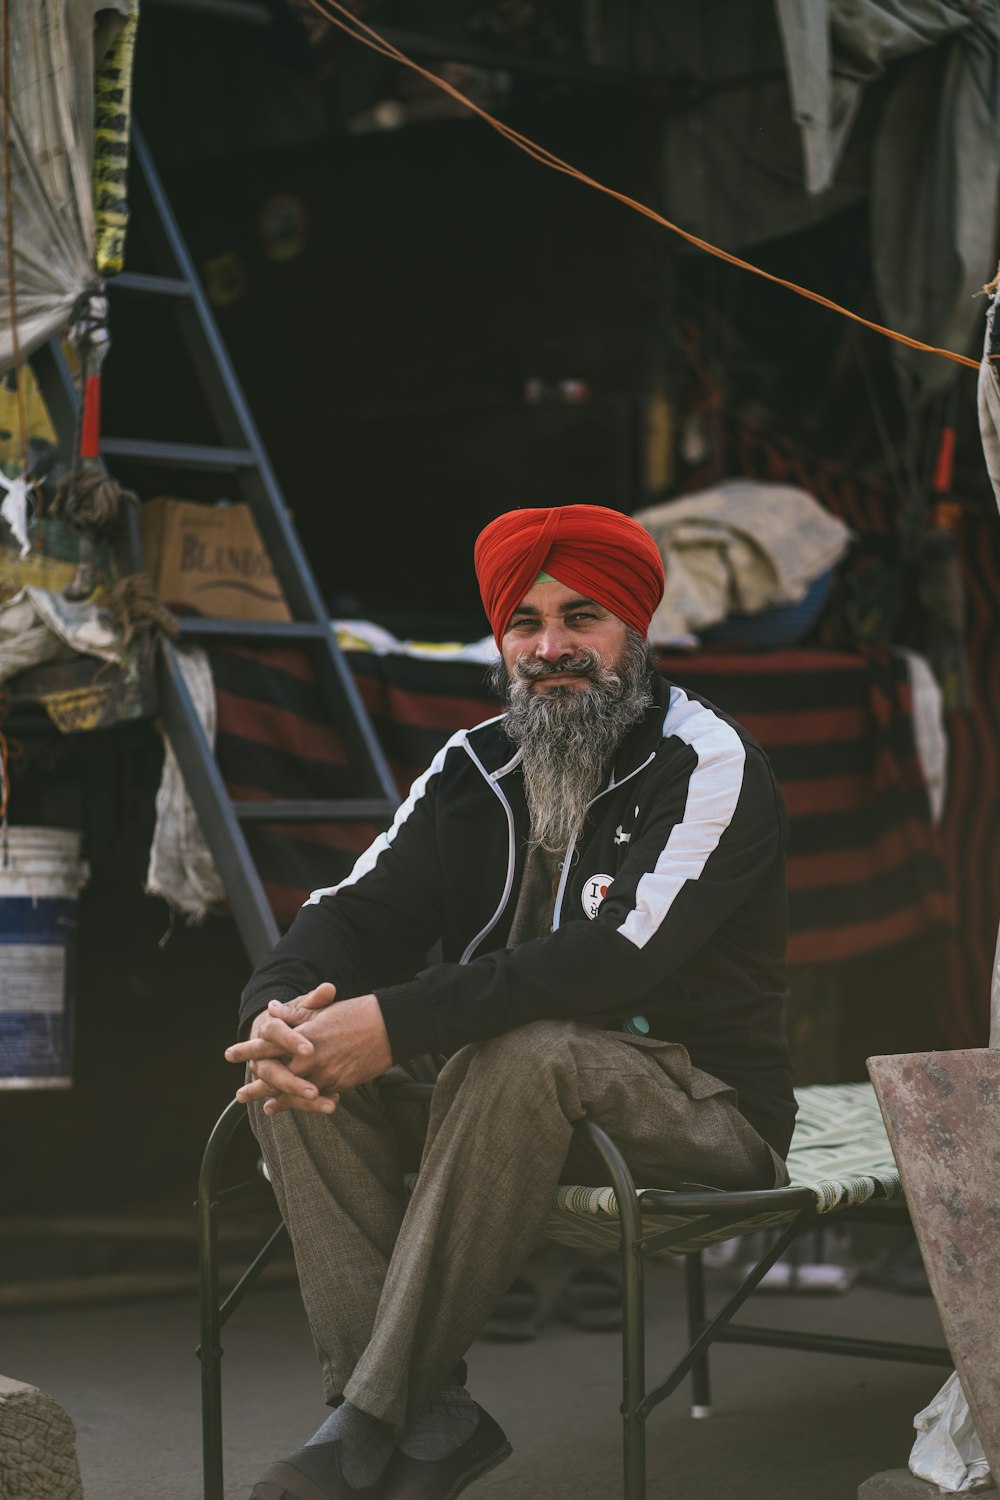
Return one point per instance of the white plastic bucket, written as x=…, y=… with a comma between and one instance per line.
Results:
x=40, y=879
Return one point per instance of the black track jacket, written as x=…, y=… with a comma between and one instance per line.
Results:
x=672, y=905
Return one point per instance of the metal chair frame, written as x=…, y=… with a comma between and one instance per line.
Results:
x=704, y=1212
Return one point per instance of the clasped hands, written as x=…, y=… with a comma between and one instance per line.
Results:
x=303, y=1054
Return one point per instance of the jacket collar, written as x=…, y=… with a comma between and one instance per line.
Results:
x=644, y=738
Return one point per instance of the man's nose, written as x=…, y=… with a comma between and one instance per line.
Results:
x=553, y=642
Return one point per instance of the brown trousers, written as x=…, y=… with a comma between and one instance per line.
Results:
x=396, y=1288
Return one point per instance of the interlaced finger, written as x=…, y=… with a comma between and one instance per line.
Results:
x=272, y=1077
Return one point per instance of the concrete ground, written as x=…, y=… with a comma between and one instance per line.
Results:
x=786, y=1425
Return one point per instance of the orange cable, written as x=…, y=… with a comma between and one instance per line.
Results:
x=360, y=32
x=9, y=216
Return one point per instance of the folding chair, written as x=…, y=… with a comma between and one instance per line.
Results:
x=840, y=1166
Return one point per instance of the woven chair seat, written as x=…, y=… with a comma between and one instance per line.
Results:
x=839, y=1151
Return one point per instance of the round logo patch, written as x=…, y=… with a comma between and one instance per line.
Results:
x=594, y=891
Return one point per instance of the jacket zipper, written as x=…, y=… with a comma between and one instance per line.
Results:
x=567, y=862
x=511, y=855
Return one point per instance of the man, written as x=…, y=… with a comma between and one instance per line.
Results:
x=604, y=869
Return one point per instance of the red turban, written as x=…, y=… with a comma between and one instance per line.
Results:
x=606, y=555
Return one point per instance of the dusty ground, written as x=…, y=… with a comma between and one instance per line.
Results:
x=786, y=1425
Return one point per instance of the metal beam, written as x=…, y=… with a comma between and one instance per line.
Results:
x=203, y=627
x=178, y=455
x=350, y=810
x=139, y=281
x=249, y=12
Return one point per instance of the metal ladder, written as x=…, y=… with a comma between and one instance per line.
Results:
x=242, y=455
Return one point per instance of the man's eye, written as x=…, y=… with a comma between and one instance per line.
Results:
x=582, y=618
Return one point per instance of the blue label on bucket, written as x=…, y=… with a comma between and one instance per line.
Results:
x=33, y=1046
x=36, y=941
x=39, y=919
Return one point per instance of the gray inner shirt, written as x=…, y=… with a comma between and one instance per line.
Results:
x=536, y=899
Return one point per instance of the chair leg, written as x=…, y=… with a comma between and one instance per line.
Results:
x=633, y=1310
x=633, y=1370
x=701, y=1390
x=210, y=1349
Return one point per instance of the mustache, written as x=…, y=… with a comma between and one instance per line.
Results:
x=585, y=664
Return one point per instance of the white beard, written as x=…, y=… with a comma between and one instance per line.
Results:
x=569, y=736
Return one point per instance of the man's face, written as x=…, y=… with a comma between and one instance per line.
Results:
x=549, y=629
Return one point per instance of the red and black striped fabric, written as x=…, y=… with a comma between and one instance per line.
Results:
x=970, y=830
x=865, y=867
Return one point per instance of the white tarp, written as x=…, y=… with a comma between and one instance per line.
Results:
x=54, y=45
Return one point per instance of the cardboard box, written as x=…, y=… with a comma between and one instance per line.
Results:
x=210, y=559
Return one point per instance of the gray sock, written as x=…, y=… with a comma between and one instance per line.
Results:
x=444, y=1425
x=366, y=1443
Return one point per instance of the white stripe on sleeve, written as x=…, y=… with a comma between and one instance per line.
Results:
x=369, y=859
x=713, y=794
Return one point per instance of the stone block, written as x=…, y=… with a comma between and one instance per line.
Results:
x=37, y=1446
x=943, y=1123
x=900, y=1484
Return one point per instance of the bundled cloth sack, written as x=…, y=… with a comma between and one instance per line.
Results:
x=38, y=626
x=739, y=548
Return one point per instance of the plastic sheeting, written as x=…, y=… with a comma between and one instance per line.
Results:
x=54, y=46
x=947, y=1450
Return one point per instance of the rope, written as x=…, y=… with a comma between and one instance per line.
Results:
x=88, y=321
x=8, y=198
x=134, y=606
x=359, y=32
x=90, y=500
